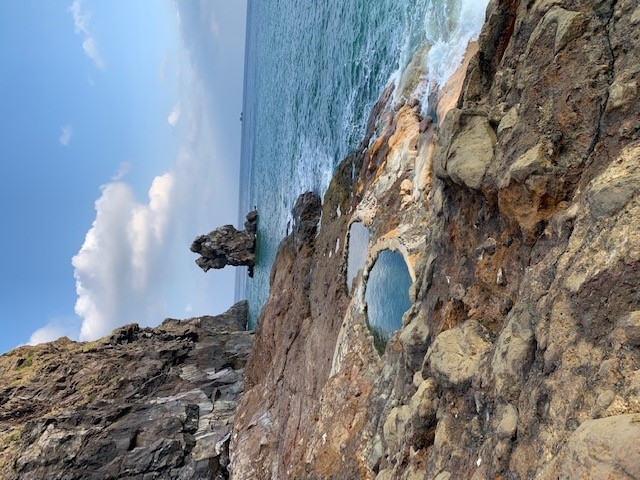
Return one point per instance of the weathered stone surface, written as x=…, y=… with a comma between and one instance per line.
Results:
x=140, y=403
x=469, y=151
x=600, y=449
x=227, y=246
x=518, y=358
x=456, y=355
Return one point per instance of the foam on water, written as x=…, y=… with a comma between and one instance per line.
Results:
x=313, y=72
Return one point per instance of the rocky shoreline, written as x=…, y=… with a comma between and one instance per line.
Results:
x=517, y=213
x=142, y=403
x=516, y=209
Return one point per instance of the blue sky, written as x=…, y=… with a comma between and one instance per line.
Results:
x=120, y=143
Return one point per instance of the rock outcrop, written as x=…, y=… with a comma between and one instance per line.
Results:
x=228, y=246
x=142, y=403
x=517, y=212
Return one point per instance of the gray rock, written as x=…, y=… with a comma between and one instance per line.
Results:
x=227, y=246
x=140, y=403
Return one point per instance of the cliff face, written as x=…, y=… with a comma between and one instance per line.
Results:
x=140, y=404
x=517, y=213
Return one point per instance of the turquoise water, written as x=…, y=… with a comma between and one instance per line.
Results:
x=387, y=296
x=313, y=71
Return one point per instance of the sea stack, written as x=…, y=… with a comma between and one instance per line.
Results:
x=228, y=246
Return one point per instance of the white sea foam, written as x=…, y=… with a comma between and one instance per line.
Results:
x=447, y=29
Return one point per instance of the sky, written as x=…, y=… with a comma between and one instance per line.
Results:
x=120, y=143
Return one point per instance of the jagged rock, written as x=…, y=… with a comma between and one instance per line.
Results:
x=140, y=403
x=227, y=246
x=528, y=348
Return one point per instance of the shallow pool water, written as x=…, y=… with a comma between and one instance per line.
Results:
x=387, y=296
x=358, y=247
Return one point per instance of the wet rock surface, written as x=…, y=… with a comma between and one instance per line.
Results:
x=518, y=215
x=142, y=403
x=228, y=246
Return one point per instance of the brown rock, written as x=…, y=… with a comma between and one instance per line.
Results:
x=600, y=449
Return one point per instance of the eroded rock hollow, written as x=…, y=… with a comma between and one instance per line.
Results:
x=517, y=210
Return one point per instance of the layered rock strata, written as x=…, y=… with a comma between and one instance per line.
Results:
x=227, y=246
x=517, y=213
x=142, y=403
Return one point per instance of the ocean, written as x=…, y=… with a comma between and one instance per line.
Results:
x=313, y=71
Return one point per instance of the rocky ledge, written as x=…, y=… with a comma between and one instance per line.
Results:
x=228, y=246
x=142, y=403
x=517, y=212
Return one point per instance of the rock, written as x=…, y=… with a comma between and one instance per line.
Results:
x=535, y=160
x=489, y=246
x=507, y=355
x=227, y=246
x=615, y=187
x=600, y=449
x=508, y=422
x=627, y=329
x=512, y=354
x=456, y=355
x=140, y=403
x=469, y=149
x=306, y=215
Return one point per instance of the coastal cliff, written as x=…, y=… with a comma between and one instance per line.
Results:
x=142, y=403
x=513, y=200
x=515, y=207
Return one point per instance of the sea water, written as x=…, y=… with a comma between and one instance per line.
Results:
x=313, y=71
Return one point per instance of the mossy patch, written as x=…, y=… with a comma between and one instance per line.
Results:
x=380, y=339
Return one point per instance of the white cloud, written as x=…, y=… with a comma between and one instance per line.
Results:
x=121, y=256
x=174, y=116
x=81, y=23
x=135, y=264
x=65, y=135
x=55, y=329
x=122, y=172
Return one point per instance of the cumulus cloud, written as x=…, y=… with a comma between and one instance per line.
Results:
x=55, y=329
x=120, y=255
x=174, y=116
x=81, y=23
x=135, y=264
x=65, y=135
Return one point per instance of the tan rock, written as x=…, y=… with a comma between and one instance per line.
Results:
x=470, y=152
x=600, y=449
x=512, y=354
x=456, y=355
